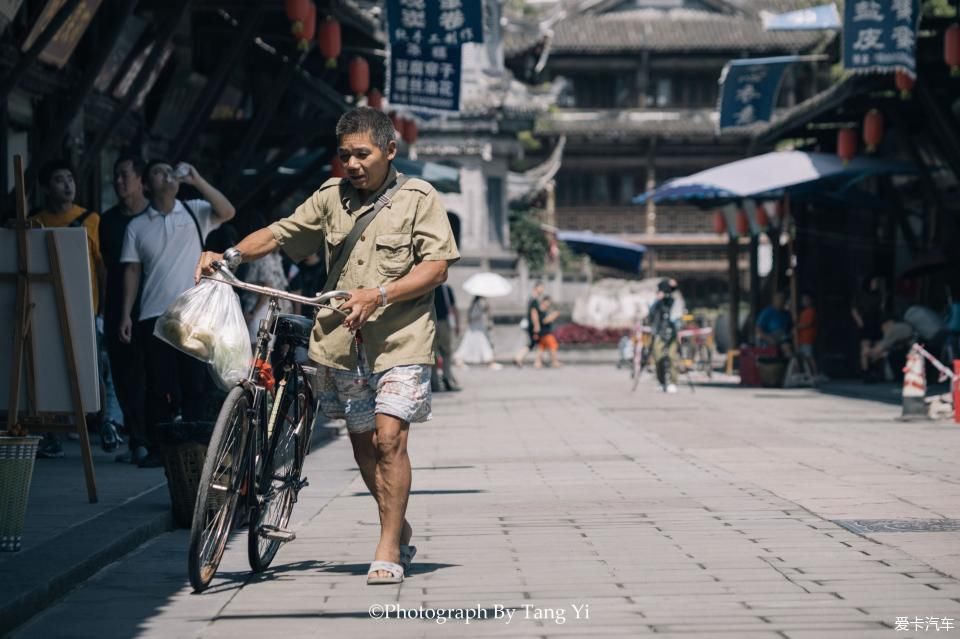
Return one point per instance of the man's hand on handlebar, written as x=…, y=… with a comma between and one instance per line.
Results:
x=361, y=305
x=205, y=265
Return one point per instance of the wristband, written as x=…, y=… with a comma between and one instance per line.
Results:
x=383, y=296
x=232, y=257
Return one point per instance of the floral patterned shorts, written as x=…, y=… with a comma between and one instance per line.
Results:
x=357, y=396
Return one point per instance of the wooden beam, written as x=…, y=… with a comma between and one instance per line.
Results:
x=233, y=170
x=159, y=44
x=9, y=83
x=241, y=40
x=53, y=135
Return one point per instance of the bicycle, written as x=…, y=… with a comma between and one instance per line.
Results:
x=261, y=437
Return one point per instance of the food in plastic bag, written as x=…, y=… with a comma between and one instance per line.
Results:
x=207, y=322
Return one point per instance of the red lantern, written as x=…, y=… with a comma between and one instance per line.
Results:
x=763, y=220
x=336, y=168
x=719, y=223
x=846, y=144
x=904, y=83
x=397, y=121
x=309, y=28
x=328, y=39
x=297, y=11
x=951, y=48
x=872, y=129
x=409, y=130
x=743, y=223
x=375, y=99
x=359, y=76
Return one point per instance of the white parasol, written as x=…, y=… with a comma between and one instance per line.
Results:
x=487, y=285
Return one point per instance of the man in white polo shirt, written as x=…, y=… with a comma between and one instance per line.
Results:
x=163, y=246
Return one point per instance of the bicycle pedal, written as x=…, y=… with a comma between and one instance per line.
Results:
x=276, y=534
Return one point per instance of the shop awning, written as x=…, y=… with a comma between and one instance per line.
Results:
x=771, y=175
x=605, y=250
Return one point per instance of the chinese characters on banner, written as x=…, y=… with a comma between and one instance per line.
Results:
x=880, y=37
x=749, y=89
x=431, y=81
x=425, y=56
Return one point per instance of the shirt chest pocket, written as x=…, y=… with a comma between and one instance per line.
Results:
x=393, y=254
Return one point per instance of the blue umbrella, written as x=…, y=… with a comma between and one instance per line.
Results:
x=605, y=250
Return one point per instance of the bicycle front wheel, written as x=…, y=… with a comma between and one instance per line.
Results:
x=220, y=486
x=279, y=480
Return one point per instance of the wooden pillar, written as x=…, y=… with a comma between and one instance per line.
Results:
x=733, y=273
x=754, y=282
x=651, y=227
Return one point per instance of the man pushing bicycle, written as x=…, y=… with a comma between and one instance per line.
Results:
x=389, y=243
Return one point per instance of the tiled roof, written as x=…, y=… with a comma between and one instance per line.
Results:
x=615, y=123
x=675, y=30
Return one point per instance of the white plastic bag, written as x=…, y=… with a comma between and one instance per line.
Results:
x=207, y=323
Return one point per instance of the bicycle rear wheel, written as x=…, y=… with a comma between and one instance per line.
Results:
x=220, y=483
x=279, y=480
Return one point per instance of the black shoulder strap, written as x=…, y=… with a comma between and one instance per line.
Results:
x=361, y=225
x=196, y=223
x=80, y=219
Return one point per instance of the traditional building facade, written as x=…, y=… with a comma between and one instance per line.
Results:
x=641, y=109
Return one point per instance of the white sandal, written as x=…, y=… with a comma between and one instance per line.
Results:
x=395, y=570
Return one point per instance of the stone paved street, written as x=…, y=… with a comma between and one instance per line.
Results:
x=557, y=492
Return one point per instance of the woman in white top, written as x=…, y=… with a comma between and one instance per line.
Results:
x=476, y=348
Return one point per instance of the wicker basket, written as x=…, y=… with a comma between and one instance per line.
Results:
x=17, y=455
x=184, y=451
x=772, y=371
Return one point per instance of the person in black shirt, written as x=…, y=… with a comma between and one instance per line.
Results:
x=126, y=360
x=532, y=321
x=446, y=307
x=308, y=281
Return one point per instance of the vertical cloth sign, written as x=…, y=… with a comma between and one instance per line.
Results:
x=749, y=88
x=880, y=37
x=61, y=47
x=425, y=50
x=435, y=22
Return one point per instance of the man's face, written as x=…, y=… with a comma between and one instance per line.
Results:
x=366, y=163
x=61, y=187
x=778, y=301
x=537, y=291
x=126, y=182
x=160, y=180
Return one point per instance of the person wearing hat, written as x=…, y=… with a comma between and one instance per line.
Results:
x=666, y=349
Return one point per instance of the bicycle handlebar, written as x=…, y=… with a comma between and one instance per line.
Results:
x=233, y=280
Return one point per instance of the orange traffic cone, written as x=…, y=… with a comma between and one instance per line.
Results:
x=914, y=387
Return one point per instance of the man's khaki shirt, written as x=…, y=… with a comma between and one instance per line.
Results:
x=413, y=228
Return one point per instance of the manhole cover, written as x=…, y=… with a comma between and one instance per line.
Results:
x=864, y=526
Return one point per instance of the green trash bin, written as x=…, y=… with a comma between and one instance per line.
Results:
x=17, y=455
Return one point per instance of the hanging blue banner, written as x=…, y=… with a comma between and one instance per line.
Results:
x=429, y=23
x=813, y=19
x=880, y=37
x=429, y=80
x=749, y=88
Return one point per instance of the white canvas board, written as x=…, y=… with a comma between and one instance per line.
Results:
x=53, y=388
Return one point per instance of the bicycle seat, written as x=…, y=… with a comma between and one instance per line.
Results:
x=294, y=328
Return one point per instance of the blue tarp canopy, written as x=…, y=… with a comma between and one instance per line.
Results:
x=605, y=250
x=445, y=179
x=771, y=175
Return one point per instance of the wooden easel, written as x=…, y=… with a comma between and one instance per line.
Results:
x=24, y=343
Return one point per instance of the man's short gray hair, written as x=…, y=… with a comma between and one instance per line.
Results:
x=367, y=120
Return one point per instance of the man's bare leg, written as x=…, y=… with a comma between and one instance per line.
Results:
x=391, y=482
x=365, y=453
